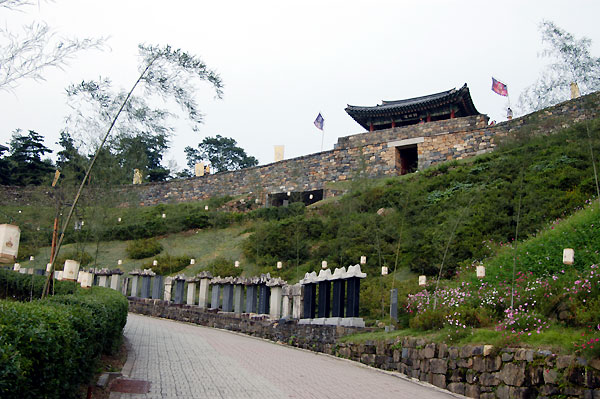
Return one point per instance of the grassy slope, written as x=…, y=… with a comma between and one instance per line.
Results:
x=203, y=245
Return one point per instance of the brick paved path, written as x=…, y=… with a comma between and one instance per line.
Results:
x=188, y=361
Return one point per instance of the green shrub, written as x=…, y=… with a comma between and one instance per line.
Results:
x=48, y=348
x=22, y=287
x=223, y=267
x=429, y=320
x=140, y=249
x=168, y=264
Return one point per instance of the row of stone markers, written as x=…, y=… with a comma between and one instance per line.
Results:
x=346, y=294
x=261, y=295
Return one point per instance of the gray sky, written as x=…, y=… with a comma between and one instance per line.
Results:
x=284, y=62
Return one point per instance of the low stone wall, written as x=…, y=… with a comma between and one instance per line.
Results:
x=305, y=336
x=480, y=371
x=476, y=371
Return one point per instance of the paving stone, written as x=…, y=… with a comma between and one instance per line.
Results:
x=188, y=361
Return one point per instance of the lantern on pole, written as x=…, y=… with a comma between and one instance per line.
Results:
x=568, y=256
x=279, y=265
x=363, y=260
x=384, y=270
x=422, y=280
x=192, y=261
x=324, y=264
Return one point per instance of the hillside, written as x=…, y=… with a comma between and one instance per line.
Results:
x=404, y=223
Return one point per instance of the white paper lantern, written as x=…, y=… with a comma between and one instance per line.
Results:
x=164, y=215
x=288, y=193
x=119, y=220
x=310, y=196
x=154, y=262
x=32, y=258
x=192, y=261
x=9, y=242
x=48, y=266
x=363, y=260
x=237, y=263
x=384, y=270
x=17, y=267
x=480, y=270
x=206, y=207
x=324, y=264
x=279, y=265
x=71, y=270
x=568, y=256
x=422, y=280
x=119, y=262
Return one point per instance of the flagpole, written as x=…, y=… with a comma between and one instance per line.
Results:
x=322, y=138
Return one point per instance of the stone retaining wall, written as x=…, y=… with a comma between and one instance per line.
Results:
x=476, y=371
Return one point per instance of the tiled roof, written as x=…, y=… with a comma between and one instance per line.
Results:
x=461, y=98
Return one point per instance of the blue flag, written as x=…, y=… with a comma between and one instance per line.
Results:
x=319, y=121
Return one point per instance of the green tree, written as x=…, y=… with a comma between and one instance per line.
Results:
x=26, y=164
x=144, y=151
x=222, y=153
x=4, y=166
x=70, y=161
x=571, y=62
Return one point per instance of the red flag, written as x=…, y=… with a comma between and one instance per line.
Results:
x=499, y=87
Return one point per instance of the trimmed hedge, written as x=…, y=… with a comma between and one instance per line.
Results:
x=49, y=347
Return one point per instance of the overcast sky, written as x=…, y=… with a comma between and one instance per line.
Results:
x=284, y=62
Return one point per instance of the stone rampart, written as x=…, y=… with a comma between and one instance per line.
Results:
x=476, y=371
x=370, y=154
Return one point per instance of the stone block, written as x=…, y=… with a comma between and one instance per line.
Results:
x=425, y=365
x=438, y=366
x=456, y=387
x=469, y=362
x=512, y=374
x=442, y=351
x=489, y=379
x=524, y=354
x=439, y=380
x=453, y=353
x=507, y=357
x=471, y=391
x=429, y=351
x=550, y=376
x=564, y=361
x=487, y=350
x=452, y=364
x=471, y=350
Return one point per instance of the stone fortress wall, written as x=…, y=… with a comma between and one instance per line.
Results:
x=370, y=154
